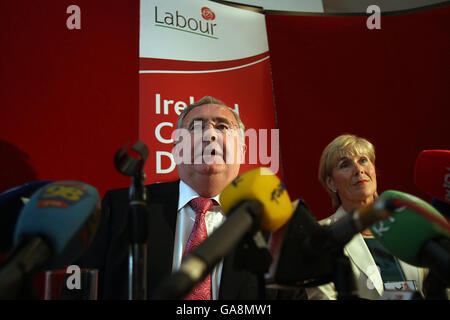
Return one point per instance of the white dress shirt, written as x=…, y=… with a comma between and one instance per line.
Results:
x=185, y=222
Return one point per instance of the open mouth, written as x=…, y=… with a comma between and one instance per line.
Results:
x=212, y=152
x=216, y=153
x=212, y=157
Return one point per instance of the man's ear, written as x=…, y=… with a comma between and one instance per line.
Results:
x=242, y=154
x=244, y=150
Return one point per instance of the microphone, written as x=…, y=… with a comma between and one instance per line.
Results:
x=11, y=203
x=432, y=173
x=53, y=229
x=23, y=191
x=305, y=252
x=442, y=207
x=296, y=261
x=418, y=239
x=254, y=200
x=263, y=185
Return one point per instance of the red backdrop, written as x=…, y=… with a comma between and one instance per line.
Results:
x=69, y=98
x=332, y=75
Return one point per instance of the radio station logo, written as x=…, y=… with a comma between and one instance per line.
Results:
x=277, y=192
x=201, y=26
x=61, y=195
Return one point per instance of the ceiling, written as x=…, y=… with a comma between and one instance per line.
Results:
x=334, y=6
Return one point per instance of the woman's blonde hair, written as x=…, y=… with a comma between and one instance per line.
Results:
x=344, y=145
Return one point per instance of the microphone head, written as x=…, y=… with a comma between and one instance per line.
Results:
x=432, y=173
x=11, y=203
x=12, y=198
x=406, y=231
x=66, y=215
x=263, y=185
x=442, y=207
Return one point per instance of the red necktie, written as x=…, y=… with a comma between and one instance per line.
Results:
x=199, y=233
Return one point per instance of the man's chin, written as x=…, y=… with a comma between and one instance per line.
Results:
x=211, y=168
x=213, y=159
x=211, y=164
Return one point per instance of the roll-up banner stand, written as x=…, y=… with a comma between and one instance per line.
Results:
x=191, y=49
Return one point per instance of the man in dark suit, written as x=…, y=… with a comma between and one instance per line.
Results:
x=209, y=146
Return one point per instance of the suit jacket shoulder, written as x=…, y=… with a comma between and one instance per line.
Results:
x=109, y=250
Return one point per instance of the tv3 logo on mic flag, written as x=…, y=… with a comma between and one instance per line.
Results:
x=61, y=195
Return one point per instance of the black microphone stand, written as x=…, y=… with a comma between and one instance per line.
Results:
x=137, y=219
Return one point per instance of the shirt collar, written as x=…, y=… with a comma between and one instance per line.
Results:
x=187, y=194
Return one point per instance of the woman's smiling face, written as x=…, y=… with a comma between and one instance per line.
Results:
x=354, y=179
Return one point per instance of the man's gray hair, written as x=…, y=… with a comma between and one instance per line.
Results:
x=212, y=100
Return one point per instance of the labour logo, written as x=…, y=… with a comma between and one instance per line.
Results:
x=207, y=14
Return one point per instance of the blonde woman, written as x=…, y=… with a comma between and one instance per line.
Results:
x=347, y=172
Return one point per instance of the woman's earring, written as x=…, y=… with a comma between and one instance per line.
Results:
x=334, y=190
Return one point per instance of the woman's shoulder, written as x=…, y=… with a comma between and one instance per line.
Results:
x=338, y=214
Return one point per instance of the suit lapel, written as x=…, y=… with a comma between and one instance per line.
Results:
x=162, y=206
x=359, y=254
